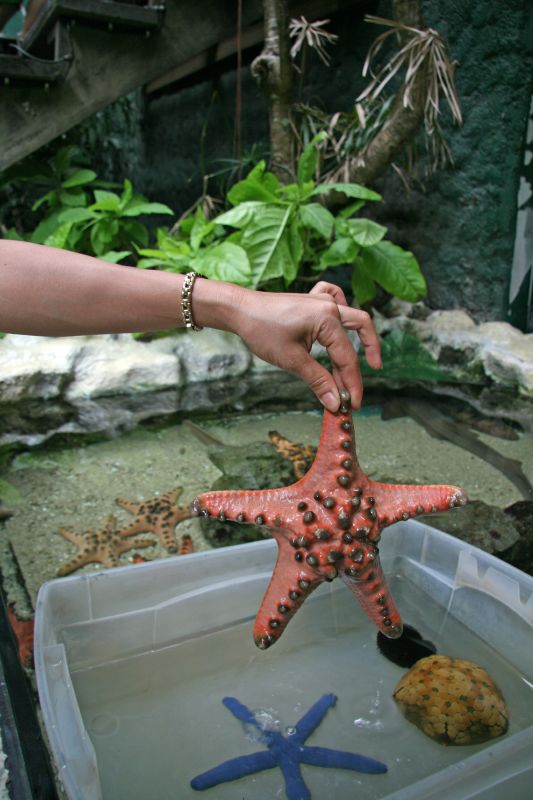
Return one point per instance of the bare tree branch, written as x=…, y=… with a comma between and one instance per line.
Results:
x=404, y=119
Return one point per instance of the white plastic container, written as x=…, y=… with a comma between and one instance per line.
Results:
x=132, y=665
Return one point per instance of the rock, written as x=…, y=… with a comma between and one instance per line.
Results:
x=479, y=524
x=35, y=368
x=211, y=355
x=520, y=554
x=255, y=466
x=452, y=700
x=120, y=365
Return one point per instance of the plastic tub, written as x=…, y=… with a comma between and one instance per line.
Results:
x=132, y=665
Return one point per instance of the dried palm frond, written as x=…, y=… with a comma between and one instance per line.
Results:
x=313, y=35
x=423, y=54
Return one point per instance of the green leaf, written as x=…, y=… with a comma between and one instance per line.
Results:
x=50, y=197
x=47, y=227
x=225, y=262
x=266, y=243
x=406, y=358
x=342, y=251
x=241, y=215
x=258, y=185
x=201, y=228
x=135, y=231
x=315, y=216
x=138, y=206
x=106, y=201
x=127, y=194
x=74, y=199
x=103, y=235
x=79, y=178
x=76, y=215
x=308, y=160
x=59, y=237
x=363, y=287
x=114, y=256
x=395, y=269
x=349, y=189
x=349, y=211
x=365, y=232
x=146, y=263
x=296, y=245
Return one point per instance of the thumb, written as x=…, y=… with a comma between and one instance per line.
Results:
x=319, y=380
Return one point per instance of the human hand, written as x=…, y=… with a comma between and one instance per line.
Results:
x=281, y=328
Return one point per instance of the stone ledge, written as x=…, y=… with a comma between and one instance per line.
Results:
x=108, y=384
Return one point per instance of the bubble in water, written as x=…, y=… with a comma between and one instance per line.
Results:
x=266, y=719
x=290, y=731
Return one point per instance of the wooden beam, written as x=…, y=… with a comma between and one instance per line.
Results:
x=109, y=65
x=93, y=12
x=251, y=36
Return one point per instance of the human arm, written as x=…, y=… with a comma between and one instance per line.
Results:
x=50, y=292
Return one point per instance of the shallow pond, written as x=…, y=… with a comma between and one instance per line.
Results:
x=78, y=487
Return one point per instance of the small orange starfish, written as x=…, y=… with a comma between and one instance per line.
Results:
x=101, y=547
x=301, y=456
x=23, y=632
x=159, y=515
x=186, y=545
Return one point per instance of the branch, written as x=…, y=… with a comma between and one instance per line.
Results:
x=403, y=121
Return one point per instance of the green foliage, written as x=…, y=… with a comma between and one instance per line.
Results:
x=286, y=233
x=106, y=228
x=271, y=235
x=81, y=213
x=197, y=244
x=405, y=358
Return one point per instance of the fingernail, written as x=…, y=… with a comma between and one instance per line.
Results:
x=330, y=401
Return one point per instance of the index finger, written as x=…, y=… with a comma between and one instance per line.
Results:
x=356, y=320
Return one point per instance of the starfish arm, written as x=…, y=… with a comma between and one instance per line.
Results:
x=235, y=768
x=395, y=502
x=128, y=505
x=132, y=544
x=240, y=711
x=371, y=590
x=290, y=585
x=71, y=536
x=313, y=717
x=137, y=526
x=245, y=506
x=295, y=787
x=324, y=757
x=75, y=563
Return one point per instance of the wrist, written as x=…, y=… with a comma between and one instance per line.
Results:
x=216, y=304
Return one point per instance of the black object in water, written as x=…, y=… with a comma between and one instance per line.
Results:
x=407, y=649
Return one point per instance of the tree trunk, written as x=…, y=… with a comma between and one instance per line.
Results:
x=274, y=72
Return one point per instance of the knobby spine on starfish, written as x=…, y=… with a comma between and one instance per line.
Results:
x=159, y=515
x=328, y=525
x=99, y=547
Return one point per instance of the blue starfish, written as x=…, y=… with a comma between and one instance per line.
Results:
x=285, y=752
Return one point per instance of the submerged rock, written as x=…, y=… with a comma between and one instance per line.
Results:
x=452, y=700
x=479, y=524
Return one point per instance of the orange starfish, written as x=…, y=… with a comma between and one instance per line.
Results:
x=186, y=545
x=300, y=455
x=101, y=547
x=159, y=515
x=328, y=524
x=23, y=632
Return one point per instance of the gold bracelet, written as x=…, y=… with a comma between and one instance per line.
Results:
x=186, y=300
